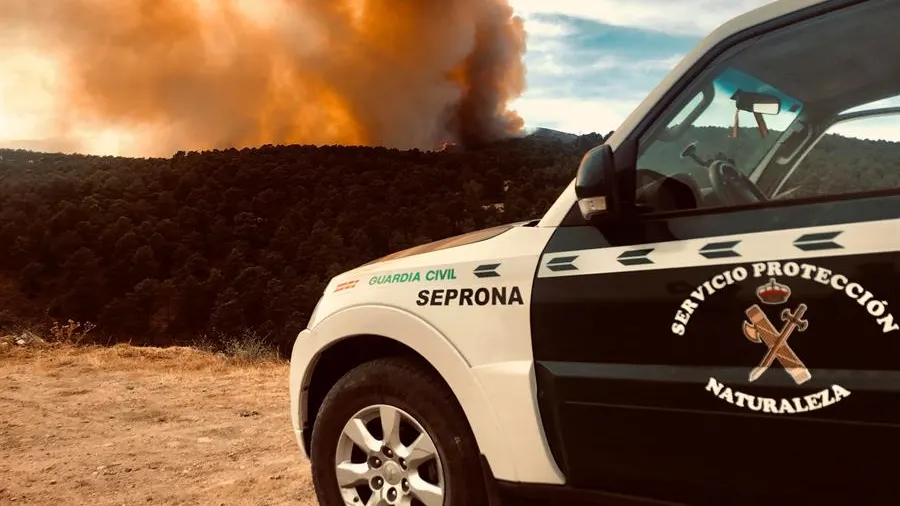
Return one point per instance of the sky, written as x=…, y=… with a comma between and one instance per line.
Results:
x=589, y=63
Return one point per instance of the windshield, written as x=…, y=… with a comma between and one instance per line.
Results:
x=709, y=119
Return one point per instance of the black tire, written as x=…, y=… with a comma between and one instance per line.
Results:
x=402, y=383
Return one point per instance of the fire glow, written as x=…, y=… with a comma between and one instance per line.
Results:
x=202, y=74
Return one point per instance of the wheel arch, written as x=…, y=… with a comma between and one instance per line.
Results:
x=340, y=358
x=339, y=343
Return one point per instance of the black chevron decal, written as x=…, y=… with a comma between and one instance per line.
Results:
x=487, y=271
x=562, y=264
x=818, y=241
x=635, y=257
x=723, y=249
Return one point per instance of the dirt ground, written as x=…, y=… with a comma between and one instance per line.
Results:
x=126, y=425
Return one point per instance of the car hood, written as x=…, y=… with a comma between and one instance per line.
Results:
x=450, y=242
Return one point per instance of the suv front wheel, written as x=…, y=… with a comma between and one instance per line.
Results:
x=390, y=432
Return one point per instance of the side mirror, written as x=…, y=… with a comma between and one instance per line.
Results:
x=758, y=103
x=595, y=184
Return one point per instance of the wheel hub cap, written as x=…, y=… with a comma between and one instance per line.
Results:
x=392, y=473
x=379, y=462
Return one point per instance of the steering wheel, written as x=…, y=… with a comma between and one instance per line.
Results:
x=731, y=186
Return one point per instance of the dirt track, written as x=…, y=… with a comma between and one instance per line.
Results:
x=124, y=425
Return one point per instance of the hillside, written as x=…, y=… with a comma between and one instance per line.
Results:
x=218, y=243
x=160, y=251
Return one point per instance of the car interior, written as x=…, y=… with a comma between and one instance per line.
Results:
x=822, y=67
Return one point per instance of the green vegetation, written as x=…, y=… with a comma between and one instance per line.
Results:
x=242, y=242
x=222, y=243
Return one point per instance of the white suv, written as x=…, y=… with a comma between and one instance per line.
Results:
x=704, y=316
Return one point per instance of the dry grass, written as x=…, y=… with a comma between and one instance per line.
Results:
x=127, y=425
x=174, y=359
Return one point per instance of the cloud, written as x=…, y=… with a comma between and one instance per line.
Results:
x=585, y=75
x=573, y=115
x=881, y=129
x=590, y=62
x=685, y=17
x=885, y=127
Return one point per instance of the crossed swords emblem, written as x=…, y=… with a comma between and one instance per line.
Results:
x=761, y=330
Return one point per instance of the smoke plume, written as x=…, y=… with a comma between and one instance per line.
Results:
x=201, y=74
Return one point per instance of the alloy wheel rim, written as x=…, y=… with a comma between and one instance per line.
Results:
x=384, y=457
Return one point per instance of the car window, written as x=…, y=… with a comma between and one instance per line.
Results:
x=859, y=155
x=742, y=134
x=713, y=132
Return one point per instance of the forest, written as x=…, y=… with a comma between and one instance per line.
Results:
x=219, y=243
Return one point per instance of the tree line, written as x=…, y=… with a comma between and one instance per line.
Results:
x=162, y=250
x=158, y=251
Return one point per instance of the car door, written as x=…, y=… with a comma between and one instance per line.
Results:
x=731, y=353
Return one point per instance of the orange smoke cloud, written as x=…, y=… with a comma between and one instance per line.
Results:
x=201, y=74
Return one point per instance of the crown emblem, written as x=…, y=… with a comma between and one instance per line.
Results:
x=773, y=292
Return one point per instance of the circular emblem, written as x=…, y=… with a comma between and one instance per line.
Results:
x=392, y=473
x=773, y=335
